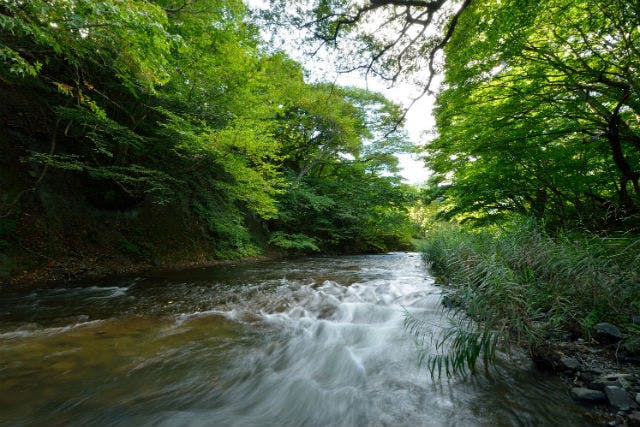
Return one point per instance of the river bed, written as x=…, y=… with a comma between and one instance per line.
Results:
x=308, y=342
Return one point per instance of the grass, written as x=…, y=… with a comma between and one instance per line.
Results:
x=518, y=285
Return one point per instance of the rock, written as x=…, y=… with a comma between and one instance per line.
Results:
x=638, y=398
x=586, y=395
x=570, y=364
x=546, y=359
x=619, y=398
x=623, y=379
x=607, y=333
x=601, y=383
x=633, y=420
x=631, y=346
x=451, y=302
x=617, y=380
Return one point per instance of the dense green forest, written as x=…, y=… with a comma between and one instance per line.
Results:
x=165, y=131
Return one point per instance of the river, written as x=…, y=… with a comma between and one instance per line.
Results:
x=308, y=342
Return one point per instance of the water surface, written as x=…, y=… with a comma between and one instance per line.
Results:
x=307, y=342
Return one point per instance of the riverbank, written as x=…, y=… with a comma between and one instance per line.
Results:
x=61, y=272
x=597, y=377
x=571, y=300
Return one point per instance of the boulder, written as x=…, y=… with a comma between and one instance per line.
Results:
x=607, y=333
x=619, y=398
x=587, y=395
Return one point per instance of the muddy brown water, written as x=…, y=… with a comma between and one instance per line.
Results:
x=307, y=342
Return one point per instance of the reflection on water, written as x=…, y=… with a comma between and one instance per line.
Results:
x=310, y=342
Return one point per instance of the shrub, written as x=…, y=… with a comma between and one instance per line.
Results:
x=293, y=242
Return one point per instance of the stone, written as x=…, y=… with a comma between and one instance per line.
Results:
x=451, y=302
x=586, y=395
x=623, y=379
x=601, y=383
x=570, y=363
x=619, y=398
x=607, y=333
x=631, y=347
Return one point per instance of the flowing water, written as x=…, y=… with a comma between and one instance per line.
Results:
x=308, y=342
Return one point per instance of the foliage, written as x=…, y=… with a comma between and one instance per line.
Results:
x=338, y=147
x=171, y=108
x=392, y=40
x=538, y=111
x=518, y=285
x=297, y=242
x=347, y=211
x=538, y=114
x=127, y=37
x=139, y=250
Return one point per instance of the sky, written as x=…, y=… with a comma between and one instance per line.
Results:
x=419, y=120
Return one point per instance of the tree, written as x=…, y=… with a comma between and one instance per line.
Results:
x=538, y=114
x=390, y=39
x=344, y=194
x=547, y=91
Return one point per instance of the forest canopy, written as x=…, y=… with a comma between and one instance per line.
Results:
x=538, y=111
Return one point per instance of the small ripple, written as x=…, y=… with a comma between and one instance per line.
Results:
x=27, y=332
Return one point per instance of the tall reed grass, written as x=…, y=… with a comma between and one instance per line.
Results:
x=518, y=285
